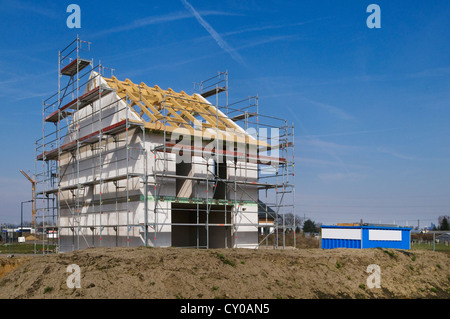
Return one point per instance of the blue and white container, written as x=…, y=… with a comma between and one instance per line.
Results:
x=365, y=236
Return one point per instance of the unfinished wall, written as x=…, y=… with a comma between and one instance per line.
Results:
x=113, y=205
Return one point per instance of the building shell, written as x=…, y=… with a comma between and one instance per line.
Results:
x=125, y=164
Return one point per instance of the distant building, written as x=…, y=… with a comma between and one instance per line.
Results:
x=443, y=238
x=365, y=236
x=266, y=219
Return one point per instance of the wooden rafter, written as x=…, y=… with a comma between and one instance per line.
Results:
x=182, y=111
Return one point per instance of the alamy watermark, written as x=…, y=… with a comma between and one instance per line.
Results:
x=74, y=279
x=74, y=19
x=374, y=280
x=374, y=20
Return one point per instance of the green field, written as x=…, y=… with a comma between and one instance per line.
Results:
x=25, y=248
x=429, y=246
x=31, y=247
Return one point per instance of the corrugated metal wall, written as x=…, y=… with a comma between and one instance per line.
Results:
x=329, y=243
x=370, y=237
x=372, y=241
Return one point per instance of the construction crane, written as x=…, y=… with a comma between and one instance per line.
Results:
x=33, y=197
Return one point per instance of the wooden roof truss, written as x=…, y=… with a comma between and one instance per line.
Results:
x=168, y=110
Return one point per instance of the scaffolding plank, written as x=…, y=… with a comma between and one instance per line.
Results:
x=111, y=179
x=231, y=181
x=89, y=183
x=87, y=139
x=242, y=116
x=213, y=92
x=200, y=151
x=56, y=190
x=71, y=69
x=83, y=101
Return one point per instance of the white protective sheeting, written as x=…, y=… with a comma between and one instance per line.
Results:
x=383, y=234
x=341, y=233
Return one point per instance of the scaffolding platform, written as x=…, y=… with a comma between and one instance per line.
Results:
x=88, y=139
x=201, y=151
x=238, y=182
x=90, y=183
x=75, y=66
x=242, y=116
x=213, y=92
x=78, y=103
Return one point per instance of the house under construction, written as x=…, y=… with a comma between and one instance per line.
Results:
x=126, y=164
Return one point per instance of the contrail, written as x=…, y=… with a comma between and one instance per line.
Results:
x=221, y=42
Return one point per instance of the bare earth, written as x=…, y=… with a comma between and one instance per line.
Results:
x=173, y=273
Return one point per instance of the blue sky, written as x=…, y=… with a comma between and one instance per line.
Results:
x=370, y=106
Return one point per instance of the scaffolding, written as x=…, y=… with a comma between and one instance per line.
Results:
x=108, y=163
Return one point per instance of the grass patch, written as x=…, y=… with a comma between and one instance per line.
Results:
x=225, y=260
x=390, y=253
x=338, y=265
x=47, y=289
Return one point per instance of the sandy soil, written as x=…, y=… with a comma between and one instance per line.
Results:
x=172, y=273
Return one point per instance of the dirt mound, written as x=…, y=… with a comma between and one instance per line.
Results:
x=171, y=273
x=9, y=263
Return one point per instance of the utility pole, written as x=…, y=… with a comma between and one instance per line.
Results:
x=33, y=197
